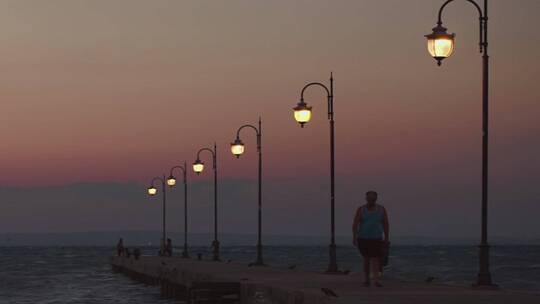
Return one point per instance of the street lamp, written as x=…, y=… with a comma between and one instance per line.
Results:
x=237, y=149
x=440, y=43
x=198, y=167
x=171, y=181
x=152, y=191
x=440, y=46
x=302, y=114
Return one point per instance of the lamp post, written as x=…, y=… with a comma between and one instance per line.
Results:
x=198, y=167
x=302, y=114
x=441, y=46
x=152, y=190
x=237, y=148
x=171, y=182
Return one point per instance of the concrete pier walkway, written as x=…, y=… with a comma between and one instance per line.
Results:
x=219, y=282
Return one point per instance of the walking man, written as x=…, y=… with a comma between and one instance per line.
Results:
x=370, y=233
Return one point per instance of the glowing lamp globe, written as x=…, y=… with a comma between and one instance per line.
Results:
x=198, y=166
x=171, y=181
x=302, y=113
x=152, y=191
x=440, y=44
x=237, y=148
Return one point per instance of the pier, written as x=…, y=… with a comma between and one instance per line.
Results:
x=198, y=282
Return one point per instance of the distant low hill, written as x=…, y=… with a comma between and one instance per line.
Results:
x=148, y=238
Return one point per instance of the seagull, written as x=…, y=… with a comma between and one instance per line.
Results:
x=329, y=292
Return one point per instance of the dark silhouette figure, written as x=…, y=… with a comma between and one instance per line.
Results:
x=136, y=253
x=120, y=247
x=127, y=253
x=369, y=227
x=168, y=248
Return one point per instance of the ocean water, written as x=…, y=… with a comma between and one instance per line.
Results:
x=83, y=274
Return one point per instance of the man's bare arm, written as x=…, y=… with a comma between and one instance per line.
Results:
x=386, y=227
x=356, y=223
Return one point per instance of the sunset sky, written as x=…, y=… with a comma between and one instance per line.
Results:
x=108, y=94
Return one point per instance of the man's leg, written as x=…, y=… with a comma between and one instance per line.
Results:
x=366, y=269
x=375, y=269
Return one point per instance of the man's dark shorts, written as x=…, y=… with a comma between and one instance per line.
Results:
x=370, y=248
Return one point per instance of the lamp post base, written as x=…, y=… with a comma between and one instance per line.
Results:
x=215, y=245
x=484, y=276
x=185, y=253
x=332, y=265
x=259, y=261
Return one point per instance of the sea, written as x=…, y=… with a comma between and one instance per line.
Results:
x=53, y=274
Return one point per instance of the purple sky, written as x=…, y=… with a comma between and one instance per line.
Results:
x=111, y=93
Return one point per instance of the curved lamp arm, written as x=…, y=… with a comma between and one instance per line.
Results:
x=448, y=2
x=483, y=21
x=157, y=179
x=257, y=132
x=247, y=126
x=212, y=152
x=314, y=84
x=329, y=94
x=183, y=169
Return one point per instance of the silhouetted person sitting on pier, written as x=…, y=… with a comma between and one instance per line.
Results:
x=369, y=226
x=120, y=247
x=136, y=253
x=168, y=248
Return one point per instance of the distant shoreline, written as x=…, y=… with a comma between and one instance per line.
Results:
x=150, y=238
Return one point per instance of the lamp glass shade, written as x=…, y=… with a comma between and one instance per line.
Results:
x=171, y=181
x=302, y=116
x=302, y=113
x=237, y=148
x=440, y=44
x=441, y=47
x=152, y=191
x=198, y=167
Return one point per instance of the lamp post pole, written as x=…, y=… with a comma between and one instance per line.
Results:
x=164, y=195
x=237, y=144
x=302, y=108
x=484, y=275
x=185, y=253
x=172, y=182
x=215, y=243
x=259, y=260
